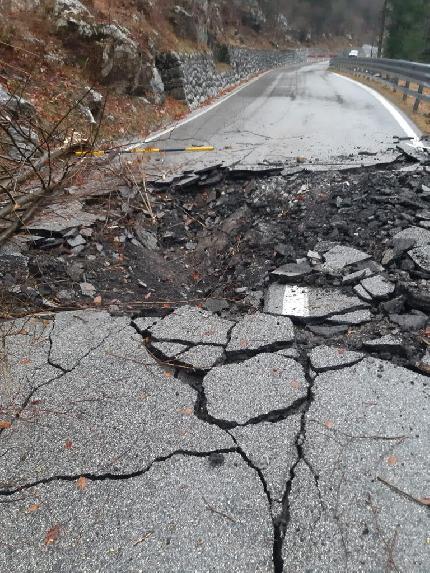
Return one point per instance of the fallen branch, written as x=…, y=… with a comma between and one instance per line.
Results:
x=213, y=510
x=18, y=180
x=424, y=502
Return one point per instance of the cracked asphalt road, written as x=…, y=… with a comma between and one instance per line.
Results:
x=305, y=112
x=285, y=439
x=117, y=459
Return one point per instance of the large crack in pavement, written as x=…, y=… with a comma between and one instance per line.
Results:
x=322, y=360
x=7, y=492
x=300, y=406
x=283, y=520
x=313, y=398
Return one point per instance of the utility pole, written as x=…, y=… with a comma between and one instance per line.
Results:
x=382, y=31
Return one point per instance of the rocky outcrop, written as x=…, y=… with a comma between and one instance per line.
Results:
x=189, y=21
x=251, y=13
x=117, y=59
x=198, y=21
x=15, y=105
x=195, y=77
x=16, y=114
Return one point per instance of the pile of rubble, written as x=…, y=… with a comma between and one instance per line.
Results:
x=287, y=387
x=341, y=253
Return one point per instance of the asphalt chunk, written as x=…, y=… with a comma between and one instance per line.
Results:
x=253, y=388
x=192, y=325
x=340, y=257
x=419, y=235
x=328, y=358
x=366, y=427
x=308, y=302
x=203, y=356
x=378, y=287
x=421, y=257
x=260, y=330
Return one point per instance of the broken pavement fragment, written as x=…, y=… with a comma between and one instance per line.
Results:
x=169, y=349
x=263, y=384
x=115, y=412
x=328, y=358
x=419, y=235
x=387, y=343
x=362, y=293
x=292, y=271
x=308, y=302
x=416, y=320
x=192, y=325
x=259, y=330
x=378, y=287
x=182, y=514
x=351, y=318
x=367, y=423
x=340, y=257
x=356, y=277
x=421, y=257
x=203, y=356
x=58, y=218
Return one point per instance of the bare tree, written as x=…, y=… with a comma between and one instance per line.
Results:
x=36, y=158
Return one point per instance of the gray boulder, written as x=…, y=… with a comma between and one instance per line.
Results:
x=91, y=105
x=24, y=142
x=15, y=105
x=251, y=13
x=189, y=19
x=118, y=59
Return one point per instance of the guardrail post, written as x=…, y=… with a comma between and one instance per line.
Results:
x=407, y=84
x=418, y=100
x=396, y=83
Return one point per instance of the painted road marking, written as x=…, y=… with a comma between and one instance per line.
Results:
x=296, y=301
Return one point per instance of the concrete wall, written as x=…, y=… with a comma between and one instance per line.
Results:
x=197, y=76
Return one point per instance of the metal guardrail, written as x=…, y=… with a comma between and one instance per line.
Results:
x=390, y=73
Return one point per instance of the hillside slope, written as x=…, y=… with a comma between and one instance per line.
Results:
x=51, y=50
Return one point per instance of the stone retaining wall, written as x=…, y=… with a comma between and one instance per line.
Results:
x=197, y=76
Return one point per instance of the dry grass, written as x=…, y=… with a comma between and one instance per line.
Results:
x=53, y=86
x=421, y=118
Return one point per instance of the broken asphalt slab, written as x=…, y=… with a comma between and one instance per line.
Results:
x=309, y=303
x=114, y=411
x=340, y=257
x=357, y=497
x=183, y=514
x=238, y=393
x=259, y=330
x=328, y=358
x=192, y=325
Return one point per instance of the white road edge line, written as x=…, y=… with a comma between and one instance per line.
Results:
x=194, y=116
x=391, y=108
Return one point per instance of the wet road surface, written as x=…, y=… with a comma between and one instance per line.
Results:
x=307, y=112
